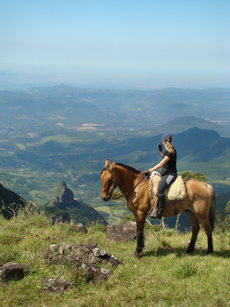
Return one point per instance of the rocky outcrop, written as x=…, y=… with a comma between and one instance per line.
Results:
x=63, y=195
x=63, y=207
x=124, y=232
x=86, y=258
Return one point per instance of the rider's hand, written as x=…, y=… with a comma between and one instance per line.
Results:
x=159, y=146
x=146, y=173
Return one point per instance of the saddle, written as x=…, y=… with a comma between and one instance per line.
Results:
x=175, y=192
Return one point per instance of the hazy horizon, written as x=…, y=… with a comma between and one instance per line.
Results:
x=139, y=80
x=115, y=44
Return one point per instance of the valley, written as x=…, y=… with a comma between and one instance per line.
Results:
x=52, y=134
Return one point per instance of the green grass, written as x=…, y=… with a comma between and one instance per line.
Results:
x=163, y=276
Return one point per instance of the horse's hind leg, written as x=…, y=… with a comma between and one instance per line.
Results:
x=195, y=229
x=208, y=230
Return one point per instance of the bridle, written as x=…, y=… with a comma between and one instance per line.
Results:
x=119, y=194
x=106, y=168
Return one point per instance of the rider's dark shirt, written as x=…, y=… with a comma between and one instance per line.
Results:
x=169, y=168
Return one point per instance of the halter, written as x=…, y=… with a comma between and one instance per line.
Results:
x=106, y=168
x=119, y=194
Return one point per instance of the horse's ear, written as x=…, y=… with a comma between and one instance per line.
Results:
x=107, y=162
x=113, y=165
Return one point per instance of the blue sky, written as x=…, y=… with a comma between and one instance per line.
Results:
x=160, y=43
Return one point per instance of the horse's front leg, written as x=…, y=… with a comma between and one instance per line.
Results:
x=140, y=217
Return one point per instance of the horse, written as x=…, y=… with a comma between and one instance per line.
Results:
x=199, y=202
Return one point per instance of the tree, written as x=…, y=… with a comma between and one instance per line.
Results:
x=227, y=208
x=190, y=175
x=227, y=215
x=223, y=218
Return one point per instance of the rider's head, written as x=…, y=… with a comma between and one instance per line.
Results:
x=167, y=138
x=167, y=141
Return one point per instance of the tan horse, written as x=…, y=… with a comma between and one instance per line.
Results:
x=199, y=202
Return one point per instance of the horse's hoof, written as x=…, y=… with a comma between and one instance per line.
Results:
x=136, y=255
x=189, y=251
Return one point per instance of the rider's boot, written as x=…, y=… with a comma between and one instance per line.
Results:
x=161, y=204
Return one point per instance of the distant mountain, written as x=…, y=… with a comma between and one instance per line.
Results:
x=194, y=144
x=10, y=202
x=184, y=123
x=63, y=207
x=197, y=149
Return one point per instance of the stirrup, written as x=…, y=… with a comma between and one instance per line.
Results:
x=153, y=213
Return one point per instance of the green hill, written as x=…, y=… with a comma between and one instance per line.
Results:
x=63, y=208
x=10, y=202
x=184, y=123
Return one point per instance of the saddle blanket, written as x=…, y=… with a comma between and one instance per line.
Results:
x=176, y=191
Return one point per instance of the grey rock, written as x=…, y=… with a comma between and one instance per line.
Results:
x=11, y=271
x=95, y=274
x=54, y=285
x=97, y=252
x=79, y=228
x=125, y=232
x=115, y=261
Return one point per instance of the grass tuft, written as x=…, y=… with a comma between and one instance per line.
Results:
x=185, y=270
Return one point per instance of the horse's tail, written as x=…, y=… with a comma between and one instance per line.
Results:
x=212, y=207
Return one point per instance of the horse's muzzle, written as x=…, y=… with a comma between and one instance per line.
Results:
x=106, y=197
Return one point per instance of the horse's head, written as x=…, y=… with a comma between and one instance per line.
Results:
x=107, y=179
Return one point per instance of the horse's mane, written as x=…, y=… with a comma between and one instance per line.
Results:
x=130, y=168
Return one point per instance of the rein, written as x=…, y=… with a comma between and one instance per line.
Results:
x=119, y=194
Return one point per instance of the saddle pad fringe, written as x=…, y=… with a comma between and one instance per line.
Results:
x=176, y=191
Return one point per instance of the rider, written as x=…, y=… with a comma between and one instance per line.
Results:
x=168, y=171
